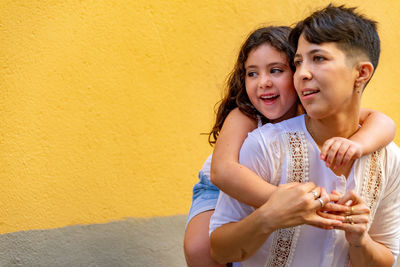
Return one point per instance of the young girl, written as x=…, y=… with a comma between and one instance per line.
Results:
x=260, y=90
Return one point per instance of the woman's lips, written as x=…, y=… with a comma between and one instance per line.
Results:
x=308, y=93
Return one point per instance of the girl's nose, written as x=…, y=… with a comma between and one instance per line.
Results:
x=265, y=81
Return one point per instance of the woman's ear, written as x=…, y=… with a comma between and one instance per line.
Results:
x=365, y=71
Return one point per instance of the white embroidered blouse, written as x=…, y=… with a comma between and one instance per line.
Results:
x=285, y=152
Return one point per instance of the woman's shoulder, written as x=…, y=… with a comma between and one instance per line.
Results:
x=280, y=128
x=269, y=137
x=273, y=137
x=293, y=124
x=391, y=157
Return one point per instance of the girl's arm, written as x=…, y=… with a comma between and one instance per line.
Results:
x=377, y=131
x=231, y=177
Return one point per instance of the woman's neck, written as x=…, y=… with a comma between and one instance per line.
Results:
x=337, y=125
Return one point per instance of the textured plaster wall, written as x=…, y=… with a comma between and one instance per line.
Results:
x=102, y=102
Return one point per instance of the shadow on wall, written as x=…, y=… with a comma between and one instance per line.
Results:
x=132, y=242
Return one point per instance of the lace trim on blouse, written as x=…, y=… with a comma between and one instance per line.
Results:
x=372, y=183
x=285, y=240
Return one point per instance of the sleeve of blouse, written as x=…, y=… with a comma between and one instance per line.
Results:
x=261, y=151
x=385, y=227
x=255, y=155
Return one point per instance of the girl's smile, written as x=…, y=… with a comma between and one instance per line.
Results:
x=269, y=83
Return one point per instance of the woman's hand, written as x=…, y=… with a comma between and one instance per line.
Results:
x=340, y=150
x=289, y=205
x=355, y=219
x=363, y=250
x=294, y=204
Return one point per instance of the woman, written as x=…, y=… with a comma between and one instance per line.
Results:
x=329, y=81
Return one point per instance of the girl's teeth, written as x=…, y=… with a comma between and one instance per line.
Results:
x=268, y=97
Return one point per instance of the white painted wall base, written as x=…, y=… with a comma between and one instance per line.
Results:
x=132, y=242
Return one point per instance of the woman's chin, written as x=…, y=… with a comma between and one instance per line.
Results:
x=316, y=114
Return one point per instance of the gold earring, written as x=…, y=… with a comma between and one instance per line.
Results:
x=357, y=87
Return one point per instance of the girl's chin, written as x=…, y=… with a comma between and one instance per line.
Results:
x=276, y=119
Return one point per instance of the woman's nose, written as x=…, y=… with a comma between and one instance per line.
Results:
x=303, y=72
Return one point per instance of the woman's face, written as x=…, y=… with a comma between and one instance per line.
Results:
x=269, y=83
x=324, y=79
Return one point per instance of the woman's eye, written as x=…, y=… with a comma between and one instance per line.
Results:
x=276, y=70
x=297, y=62
x=319, y=58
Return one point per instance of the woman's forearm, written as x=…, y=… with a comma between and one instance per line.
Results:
x=234, y=242
x=290, y=205
x=370, y=254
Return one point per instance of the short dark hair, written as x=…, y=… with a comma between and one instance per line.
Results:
x=353, y=32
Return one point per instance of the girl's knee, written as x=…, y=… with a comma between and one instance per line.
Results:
x=196, y=244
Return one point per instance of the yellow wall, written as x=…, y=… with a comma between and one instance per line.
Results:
x=102, y=102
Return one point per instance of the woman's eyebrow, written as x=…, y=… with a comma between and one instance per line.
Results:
x=311, y=52
x=316, y=50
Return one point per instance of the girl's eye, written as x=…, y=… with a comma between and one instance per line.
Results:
x=276, y=70
x=252, y=74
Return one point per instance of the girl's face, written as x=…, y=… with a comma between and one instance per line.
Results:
x=324, y=79
x=269, y=83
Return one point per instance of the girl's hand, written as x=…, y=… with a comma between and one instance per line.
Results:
x=340, y=150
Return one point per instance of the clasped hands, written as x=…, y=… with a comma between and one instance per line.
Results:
x=352, y=211
x=294, y=204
